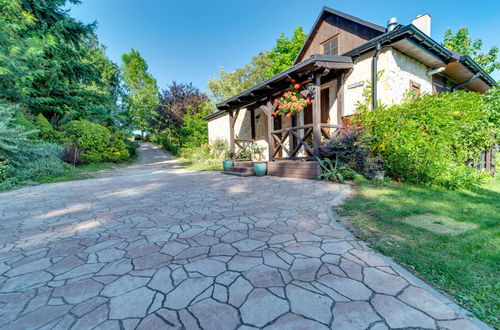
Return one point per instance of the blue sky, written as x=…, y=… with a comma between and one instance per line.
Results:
x=188, y=41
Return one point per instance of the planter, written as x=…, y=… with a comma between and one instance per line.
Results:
x=227, y=164
x=260, y=169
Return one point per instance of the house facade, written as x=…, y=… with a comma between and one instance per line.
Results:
x=340, y=58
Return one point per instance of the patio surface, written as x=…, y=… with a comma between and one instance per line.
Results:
x=153, y=246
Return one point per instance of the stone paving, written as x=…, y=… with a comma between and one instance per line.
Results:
x=153, y=246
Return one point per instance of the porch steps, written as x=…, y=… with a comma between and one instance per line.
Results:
x=240, y=171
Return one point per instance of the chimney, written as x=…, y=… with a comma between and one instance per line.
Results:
x=391, y=24
x=423, y=23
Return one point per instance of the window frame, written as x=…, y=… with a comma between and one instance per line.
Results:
x=415, y=86
x=322, y=46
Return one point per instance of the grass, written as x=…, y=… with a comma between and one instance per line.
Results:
x=81, y=172
x=462, y=263
x=197, y=165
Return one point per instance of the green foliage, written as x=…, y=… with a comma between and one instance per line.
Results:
x=45, y=160
x=230, y=83
x=464, y=265
x=285, y=51
x=92, y=138
x=332, y=171
x=118, y=150
x=45, y=129
x=462, y=42
x=194, y=131
x=142, y=97
x=263, y=66
x=430, y=139
x=13, y=137
x=52, y=63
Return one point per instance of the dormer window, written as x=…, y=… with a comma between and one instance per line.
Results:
x=331, y=46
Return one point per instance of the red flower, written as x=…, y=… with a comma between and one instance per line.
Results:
x=293, y=80
x=273, y=113
x=280, y=106
x=296, y=86
x=288, y=106
x=289, y=92
x=301, y=107
x=308, y=101
x=275, y=100
x=285, y=94
x=294, y=98
x=288, y=115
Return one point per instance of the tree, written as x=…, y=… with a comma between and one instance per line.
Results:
x=142, y=96
x=228, y=84
x=461, y=42
x=262, y=67
x=177, y=101
x=52, y=63
x=285, y=51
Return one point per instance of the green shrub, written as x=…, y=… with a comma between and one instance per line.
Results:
x=45, y=161
x=93, y=139
x=430, y=139
x=194, y=131
x=45, y=129
x=117, y=150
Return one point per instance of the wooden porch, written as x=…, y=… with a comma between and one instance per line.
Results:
x=292, y=151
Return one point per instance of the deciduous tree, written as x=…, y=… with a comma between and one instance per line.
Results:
x=462, y=42
x=142, y=96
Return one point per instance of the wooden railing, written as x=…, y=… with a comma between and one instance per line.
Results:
x=299, y=138
x=242, y=145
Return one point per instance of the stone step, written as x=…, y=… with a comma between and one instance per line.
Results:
x=241, y=169
x=238, y=173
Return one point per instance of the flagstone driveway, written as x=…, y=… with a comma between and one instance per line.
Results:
x=153, y=246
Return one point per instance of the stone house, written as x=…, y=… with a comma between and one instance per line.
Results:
x=341, y=56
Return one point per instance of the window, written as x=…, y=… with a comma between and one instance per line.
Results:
x=415, y=87
x=330, y=47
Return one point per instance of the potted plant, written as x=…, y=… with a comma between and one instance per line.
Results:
x=291, y=102
x=259, y=166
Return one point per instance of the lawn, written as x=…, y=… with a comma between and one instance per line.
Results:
x=451, y=239
x=196, y=165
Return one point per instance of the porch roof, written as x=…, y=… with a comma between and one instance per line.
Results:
x=281, y=81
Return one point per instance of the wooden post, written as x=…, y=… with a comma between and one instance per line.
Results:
x=340, y=98
x=316, y=114
x=232, y=148
x=270, y=128
x=252, y=122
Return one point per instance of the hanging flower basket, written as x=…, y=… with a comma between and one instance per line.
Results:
x=291, y=102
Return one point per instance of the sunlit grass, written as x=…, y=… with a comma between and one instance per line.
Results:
x=466, y=266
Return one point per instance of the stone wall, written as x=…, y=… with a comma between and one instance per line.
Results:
x=218, y=128
x=398, y=71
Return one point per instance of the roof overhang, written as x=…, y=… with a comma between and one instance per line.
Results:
x=410, y=41
x=214, y=115
x=281, y=81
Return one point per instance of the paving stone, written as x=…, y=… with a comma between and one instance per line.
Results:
x=154, y=260
x=123, y=285
x=309, y=304
x=382, y=282
x=347, y=287
x=336, y=247
x=185, y=292
x=26, y=281
x=238, y=291
x=119, y=267
x=295, y=322
x=399, y=315
x=457, y=325
x=262, y=307
x=305, y=269
x=88, y=306
x=173, y=248
x=131, y=304
x=353, y=315
x=162, y=281
x=93, y=319
x=29, y=267
x=426, y=302
x=241, y=263
x=263, y=276
x=77, y=292
x=214, y=315
x=248, y=245
x=206, y=266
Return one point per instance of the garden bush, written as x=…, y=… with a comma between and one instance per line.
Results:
x=92, y=138
x=117, y=150
x=45, y=129
x=430, y=139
